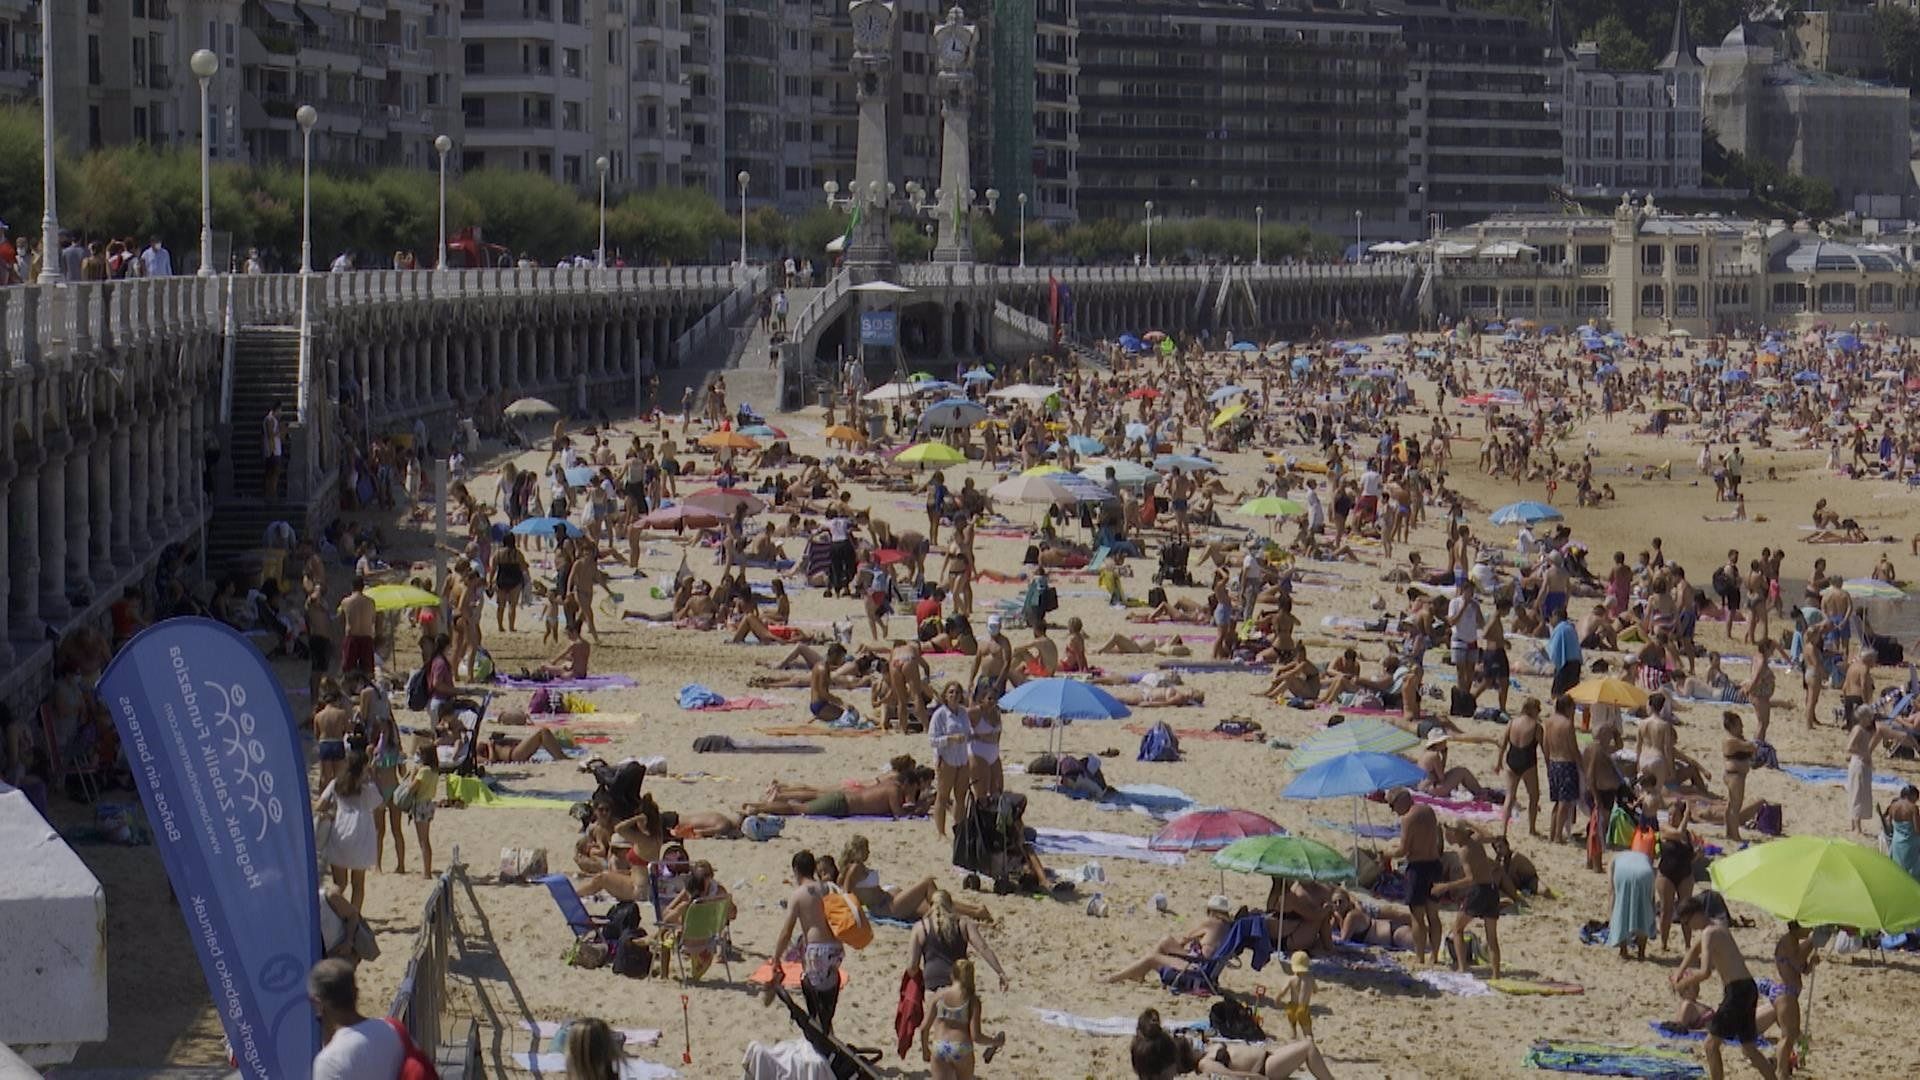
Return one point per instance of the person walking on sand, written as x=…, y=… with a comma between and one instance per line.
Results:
x=1557, y=738
x=1716, y=953
x=1420, y=846
x=1520, y=760
x=1860, y=743
x=821, y=953
x=1793, y=958
x=1481, y=884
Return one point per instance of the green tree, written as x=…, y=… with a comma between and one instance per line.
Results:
x=809, y=235
x=769, y=230
x=1621, y=49
x=531, y=213
x=909, y=243
x=20, y=175
x=1899, y=30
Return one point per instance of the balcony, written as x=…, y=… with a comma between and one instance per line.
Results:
x=160, y=77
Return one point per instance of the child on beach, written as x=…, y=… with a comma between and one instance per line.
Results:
x=1296, y=996
x=551, y=617
x=415, y=798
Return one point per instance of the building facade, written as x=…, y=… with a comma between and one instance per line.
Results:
x=1644, y=271
x=1630, y=131
x=1209, y=108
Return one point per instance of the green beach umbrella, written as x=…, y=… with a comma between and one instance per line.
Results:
x=1356, y=736
x=1821, y=881
x=1271, y=506
x=931, y=453
x=1285, y=857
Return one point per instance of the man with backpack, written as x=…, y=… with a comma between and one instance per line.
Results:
x=358, y=1048
x=821, y=951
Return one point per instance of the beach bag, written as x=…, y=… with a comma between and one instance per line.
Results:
x=1770, y=819
x=520, y=865
x=1619, y=829
x=622, y=919
x=1159, y=744
x=414, y=1062
x=1459, y=702
x=541, y=703
x=847, y=918
x=483, y=668
x=418, y=694
x=404, y=797
x=632, y=956
x=1232, y=1020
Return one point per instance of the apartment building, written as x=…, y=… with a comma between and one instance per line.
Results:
x=1630, y=131
x=1026, y=127
x=1213, y=108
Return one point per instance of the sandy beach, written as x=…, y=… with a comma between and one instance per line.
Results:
x=509, y=966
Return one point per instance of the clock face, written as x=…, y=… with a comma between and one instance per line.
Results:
x=870, y=24
x=953, y=48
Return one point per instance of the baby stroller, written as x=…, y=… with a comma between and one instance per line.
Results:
x=1173, y=564
x=989, y=838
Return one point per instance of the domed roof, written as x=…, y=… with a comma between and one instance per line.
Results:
x=1807, y=256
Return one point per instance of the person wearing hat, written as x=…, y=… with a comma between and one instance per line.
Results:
x=1296, y=996
x=1444, y=780
x=1177, y=953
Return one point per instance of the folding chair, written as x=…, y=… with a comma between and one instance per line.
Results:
x=701, y=936
x=579, y=919
x=847, y=1062
x=1202, y=976
x=88, y=771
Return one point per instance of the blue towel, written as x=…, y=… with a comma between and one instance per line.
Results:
x=695, y=696
x=1828, y=774
x=1600, y=1059
x=1667, y=1029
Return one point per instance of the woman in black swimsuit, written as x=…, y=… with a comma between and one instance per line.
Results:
x=1737, y=753
x=1520, y=759
x=1674, y=881
x=509, y=577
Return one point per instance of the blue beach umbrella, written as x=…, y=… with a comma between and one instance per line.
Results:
x=1806, y=378
x=1394, y=339
x=953, y=413
x=1358, y=350
x=1710, y=362
x=1302, y=363
x=1424, y=354
x=1132, y=344
x=1524, y=513
x=1348, y=371
x=544, y=526
x=1360, y=773
x=1185, y=462
x=977, y=375
x=1735, y=376
x=1494, y=327
x=1083, y=444
x=1244, y=346
x=1605, y=370
x=1063, y=701
x=1224, y=393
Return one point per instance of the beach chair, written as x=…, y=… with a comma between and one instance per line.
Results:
x=1249, y=932
x=87, y=770
x=847, y=1062
x=700, y=937
x=579, y=919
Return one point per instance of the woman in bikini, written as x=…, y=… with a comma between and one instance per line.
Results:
x=911, y=903
x=1355, y=925
x=1737, y=753
x=952, y=1031
x=1159, y=1055
x=901, y=793
x=1793, y=958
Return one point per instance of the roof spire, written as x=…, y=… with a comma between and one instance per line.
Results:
x=1556, y=33
x=1680, y=53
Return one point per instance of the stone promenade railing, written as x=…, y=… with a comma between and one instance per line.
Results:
x=39, y=321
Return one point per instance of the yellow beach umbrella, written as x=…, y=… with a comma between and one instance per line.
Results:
x=1609, y=692
x=844, y=434
x=401, y=597
x=729, y=440
x=931, y=453
x=1228, y=415
x=1042, y=470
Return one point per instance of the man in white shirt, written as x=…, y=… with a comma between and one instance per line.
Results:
x=1370, y=487
x=1316, y=511
x=1466, y=618
x=356, y=1048
x=342, y=263
x=156, y=261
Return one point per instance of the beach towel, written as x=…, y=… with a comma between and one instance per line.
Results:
x=1468, y=808
x=696, y=696
x=476, y=794
x=793, y=731
x=1154, y=800
x=552, y=1034
x=1115, y=1026
x=742, y=704
x=727, y=744
x=1605, y=1059
x=1351, y=965
x=1085, y=844
x=1667, y=1029
x=1355, y=623
x=1457, y=983
x=1536, y=987
x=1214, y=667
x=790, y=974
x=1827, y=774
x=911, y=1009
x=590, y=682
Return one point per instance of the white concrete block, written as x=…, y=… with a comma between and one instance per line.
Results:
x=53, y=944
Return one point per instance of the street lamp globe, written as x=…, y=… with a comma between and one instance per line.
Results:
x=1021, y=198
x=602, y=164
x=831, y=187
x=204, y=63
x=743, y=178
x=443, y=144
x=307, y=116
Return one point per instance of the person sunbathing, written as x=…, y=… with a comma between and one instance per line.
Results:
x=910, y=904
x=1296, y=679
x=505, y=748
x=700, y=885
x=1442, y=780
x=1158, y=697
x=901, y=794
x=572, y=661
x=1381, y=927
x=1158, y=1055
x=1849, y=532
x=1178, y=609
x=1128, y=646
x=1178, y=952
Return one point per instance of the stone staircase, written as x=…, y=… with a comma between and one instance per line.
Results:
x=750, y=378
x=266, y=369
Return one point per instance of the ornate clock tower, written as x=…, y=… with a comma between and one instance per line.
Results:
x=953, y=50
x=872, y=65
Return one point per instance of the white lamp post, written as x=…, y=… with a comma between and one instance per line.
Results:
x=1358, y=248
x=205, y=65
x=307, y=116
x=1259, y=219
x=743, y=178
x=1149, y=233
x=601, y=164
x=443, y=144
x=1022, y=200
x=49, y=218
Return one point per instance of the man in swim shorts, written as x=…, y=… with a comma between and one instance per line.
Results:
x=1420, y=845
x=1716, y=953
x=822, y=703
x=821, y=953
x=832, y=804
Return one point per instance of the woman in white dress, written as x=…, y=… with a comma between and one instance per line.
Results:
x=353, y=799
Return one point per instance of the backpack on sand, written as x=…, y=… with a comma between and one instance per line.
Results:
x=1159, y=744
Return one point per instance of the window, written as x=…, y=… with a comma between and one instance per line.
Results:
x=93, y=65
x=570, y=116
x=570, y=63
x=570, y=170
x=1651, y=257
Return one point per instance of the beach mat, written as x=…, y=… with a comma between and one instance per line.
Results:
x=1482, y=811
x=1828, y=774
x=742, y=704
x=1667, y=1029
x=1536, y=987
x=549, y=1031
x=1215, y=667
x=591, y=682
x=796, y=731
x=1086, y=844
x=1115, y=1026
x=1606, y=1059
x=729, y=745
x=478, y=796
x=791, y=974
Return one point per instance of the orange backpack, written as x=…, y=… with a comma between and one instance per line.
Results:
x=847, y=918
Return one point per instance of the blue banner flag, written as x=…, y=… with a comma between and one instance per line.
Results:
x=212, y=745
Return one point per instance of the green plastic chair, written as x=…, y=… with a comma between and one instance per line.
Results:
x=702, y=936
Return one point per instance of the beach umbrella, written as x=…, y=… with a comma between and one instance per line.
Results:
x=1083, y=489
x=1143, y=392
x=1709, y=362
x=1137, y=430
x=1609, y=692
x=1677, y=332
x=544, y=526
x=1806, y=378
x=1228, y=415
x=1394, y=339
x=681, y=516
x=931, y=453
x=1293, y=857
x=1769, y=383
x=1153, y=335
x=1494, y=327
x=401, y=598
x=1063, y=701
x=729, y=440
x=579, y=476
x=1086, y=444
x=1359, y=773
x=532, y=408
x=1125, y=473
x=1132, y=344
x=1356, y=735
x=1348, y=371
x=843, y=433
x=953, y=413
x=1524, y=513
x=1271, y=506
x=892, y=391
x=763, y=431
x=1861, y=588
x=1821, y=881
x=1605, y=370
x=936, y=386
x=1224, y=393
x=1668, y=407
x=724, y=501
x=1025, y=392
x=1381, y=373
x=1045, y=469
x=1735, y=376
x=977, y=375
x=1847, y=343
x=1244, y=346
x=1358, y=350
x=1033, y=489
x=1424, y=354
x=1211, y=830
x=1185, y=462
